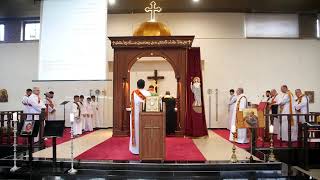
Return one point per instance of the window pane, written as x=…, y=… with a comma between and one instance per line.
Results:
x=1, y=32
x=272, y=25
x=32, y=31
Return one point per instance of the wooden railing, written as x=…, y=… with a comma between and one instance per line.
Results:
x=6, y=122
x=310, y=118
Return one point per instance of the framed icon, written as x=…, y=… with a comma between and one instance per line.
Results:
x=27, y=128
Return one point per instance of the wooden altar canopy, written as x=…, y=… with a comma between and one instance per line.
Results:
x=127, y=50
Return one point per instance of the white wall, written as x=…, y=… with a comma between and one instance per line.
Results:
x=230, y=61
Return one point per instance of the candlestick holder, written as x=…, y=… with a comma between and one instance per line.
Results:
x=72, y=170
x=271, y=155
x=15, y=167
x=234, y=158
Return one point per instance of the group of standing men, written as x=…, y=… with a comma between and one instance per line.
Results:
x=85, y=114
x=284, y=103
x=33, y=103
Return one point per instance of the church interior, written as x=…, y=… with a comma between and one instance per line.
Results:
x=159, y=89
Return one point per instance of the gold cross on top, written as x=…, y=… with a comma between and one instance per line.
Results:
x=153, y=9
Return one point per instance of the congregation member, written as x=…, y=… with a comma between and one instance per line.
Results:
x=25, y=100
x=95, y=107
x=88, y=120
x=137, y=96
x=76, y=110
x=231, y=104
x=287, y=107
x=301, y=105
x=241, y=104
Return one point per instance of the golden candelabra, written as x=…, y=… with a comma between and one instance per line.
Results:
x=234, y=156
x=271, y=155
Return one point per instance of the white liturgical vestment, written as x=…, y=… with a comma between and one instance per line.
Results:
x=241, y=132
x=232, y=102
x=287, y=106
x=137, y=101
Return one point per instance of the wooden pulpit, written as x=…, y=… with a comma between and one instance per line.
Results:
x=152, y=136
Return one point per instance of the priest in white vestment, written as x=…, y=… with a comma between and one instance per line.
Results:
x=83, y=111
x=137, y=97
x=287, y=107
x=301, y=105
x=241, y=104
x=275, y=101
x=24, y=101
x=231, y=104
x=95, y=107
x=77, y=124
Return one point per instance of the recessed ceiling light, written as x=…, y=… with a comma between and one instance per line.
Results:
x=112, y=2
x=196, y=1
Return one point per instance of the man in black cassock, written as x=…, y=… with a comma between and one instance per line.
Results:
x=171, y=114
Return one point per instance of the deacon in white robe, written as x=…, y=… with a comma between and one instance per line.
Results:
x=231, y=104
x=95, y=107
x=24, y=101
x=50, y=105
x=89, y=110
x=301, y=105
x=275, y=101
x=138, y=96
x=287, y=107
x=240, y=105
x=83, y=111
x=77, y=123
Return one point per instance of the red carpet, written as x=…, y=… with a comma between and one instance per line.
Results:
x=224, y=133
x=116, y=148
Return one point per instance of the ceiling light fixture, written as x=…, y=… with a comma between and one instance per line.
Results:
x=195, y=1
x=112, y=2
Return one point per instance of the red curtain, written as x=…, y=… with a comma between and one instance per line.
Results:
x=195, y=119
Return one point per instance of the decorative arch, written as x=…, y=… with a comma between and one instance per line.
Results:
x=127, y=50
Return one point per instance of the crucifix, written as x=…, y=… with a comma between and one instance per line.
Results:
x=155, y=77
x=153, y=9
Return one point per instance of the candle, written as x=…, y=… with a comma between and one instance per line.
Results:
x=71, y=117
x=14, y=116
x=271, y=129
x=233, y=128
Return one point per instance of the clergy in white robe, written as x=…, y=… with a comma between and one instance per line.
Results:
x=301, y=105
x=241, y=104
x=95, y=107
x=50, y=106
x=274, y=108
x=88, y=121
x=24, y=101
x=231, y=104
x=83, y=110
x=137, y=97
x=77, y=123
x=287, y=107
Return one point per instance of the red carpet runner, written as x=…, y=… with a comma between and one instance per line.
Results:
x=117, y=148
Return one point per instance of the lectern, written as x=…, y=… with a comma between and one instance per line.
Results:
x=152, y=135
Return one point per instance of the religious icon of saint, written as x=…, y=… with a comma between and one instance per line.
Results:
x=196, y=89
x=3, y=95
